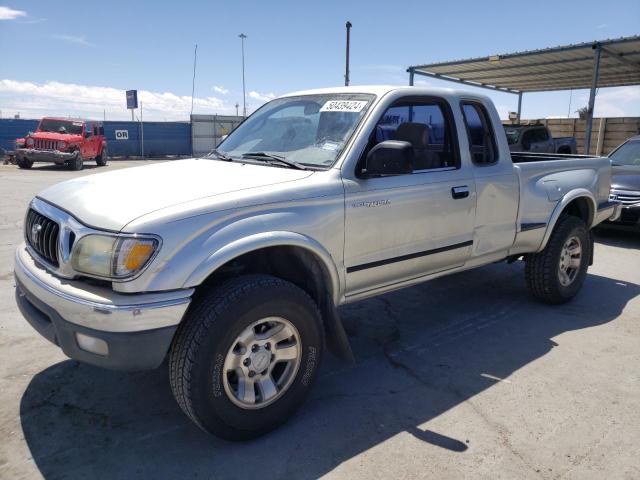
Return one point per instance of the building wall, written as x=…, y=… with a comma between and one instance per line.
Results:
x=207, y=131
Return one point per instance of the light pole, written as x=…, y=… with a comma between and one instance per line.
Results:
x=244, y=95
x=346, y=69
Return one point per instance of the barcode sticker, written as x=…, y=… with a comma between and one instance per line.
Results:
x=343, y=106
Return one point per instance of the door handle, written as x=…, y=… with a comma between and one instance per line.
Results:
x=460, y=192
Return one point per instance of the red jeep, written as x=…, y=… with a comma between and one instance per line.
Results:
x=63, y=141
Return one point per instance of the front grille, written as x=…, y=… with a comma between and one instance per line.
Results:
x=626, y=198
x=41, y=144
x=42, y=236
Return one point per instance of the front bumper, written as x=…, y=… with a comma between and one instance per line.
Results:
x=54, y=156
x=629, y=217
x=94, y=324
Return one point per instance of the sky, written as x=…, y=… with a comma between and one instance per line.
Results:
x=77, y=58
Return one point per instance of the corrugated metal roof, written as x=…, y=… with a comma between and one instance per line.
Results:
x=557, y=68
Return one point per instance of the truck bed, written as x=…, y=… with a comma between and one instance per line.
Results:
x=525, y=157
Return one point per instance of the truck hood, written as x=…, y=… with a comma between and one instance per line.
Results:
x=625, y=178
x=67, y=137
x=112, y=200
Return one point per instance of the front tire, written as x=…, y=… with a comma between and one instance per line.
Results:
x=556, y=274
x=24, y=163
x=78, y=162
x=245, y=356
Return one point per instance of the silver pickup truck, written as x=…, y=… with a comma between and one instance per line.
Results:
x=232, y=266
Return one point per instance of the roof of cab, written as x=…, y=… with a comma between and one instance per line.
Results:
x=67, y=119
x=382, y=90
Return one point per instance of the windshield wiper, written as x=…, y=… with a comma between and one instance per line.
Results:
x=218, y=154
x=274, y=157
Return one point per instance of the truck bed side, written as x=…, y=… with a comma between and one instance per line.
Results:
x=549, y=183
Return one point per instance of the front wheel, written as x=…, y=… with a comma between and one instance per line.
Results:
x=246, y=355
x=556, y=274
x=24, y=163
x=77, y=163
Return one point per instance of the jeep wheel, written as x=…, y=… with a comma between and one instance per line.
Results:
x=24, y=163
x=556, y=274
x=246, y=355
x=77, y=163
x=101, y=160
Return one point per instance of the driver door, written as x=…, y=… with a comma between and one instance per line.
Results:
x=405, y=226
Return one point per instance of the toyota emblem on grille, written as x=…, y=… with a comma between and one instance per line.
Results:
x=35, y=231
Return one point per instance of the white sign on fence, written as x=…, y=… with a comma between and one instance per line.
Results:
x=122, y=134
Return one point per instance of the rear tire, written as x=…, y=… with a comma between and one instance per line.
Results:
x=24, y=163
x=556, y=274
x=212, y=356
x=101, y=160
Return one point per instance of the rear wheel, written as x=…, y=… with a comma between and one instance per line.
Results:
x=101, y=160
x=24, y=163
x=246, y=355
x=556, y=274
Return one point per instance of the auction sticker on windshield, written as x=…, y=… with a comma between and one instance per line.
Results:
x=343, y=106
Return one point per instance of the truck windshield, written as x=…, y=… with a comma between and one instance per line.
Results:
x=60, y=126
x=627, y=154
x=513, y=135
x=310, y=130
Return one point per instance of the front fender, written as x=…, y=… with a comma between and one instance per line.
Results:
x=562, y=204
x=264, y=240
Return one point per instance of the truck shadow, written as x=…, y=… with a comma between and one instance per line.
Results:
x=623, y=238
x=50, y=167
x=421, y=352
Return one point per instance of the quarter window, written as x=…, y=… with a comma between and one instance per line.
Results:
x=424, y=125
x=482, y=144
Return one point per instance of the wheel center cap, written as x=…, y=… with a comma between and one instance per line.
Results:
x=260, y=359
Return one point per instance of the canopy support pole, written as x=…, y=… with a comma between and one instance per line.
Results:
x=592, y=98
x=411, y=75
x=519, y=107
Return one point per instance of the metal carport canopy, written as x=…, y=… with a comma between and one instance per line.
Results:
x=590, y=65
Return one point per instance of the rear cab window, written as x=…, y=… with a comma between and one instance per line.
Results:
x=482, y=142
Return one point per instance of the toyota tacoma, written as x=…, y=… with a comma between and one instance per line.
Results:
x=231, y=266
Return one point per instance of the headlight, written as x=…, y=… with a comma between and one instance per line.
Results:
x=30, y=142
x=112, y=256
x=62, y=145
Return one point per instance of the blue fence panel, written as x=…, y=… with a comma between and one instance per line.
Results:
x=129, y=147
x=12, y=128
x=160, y=138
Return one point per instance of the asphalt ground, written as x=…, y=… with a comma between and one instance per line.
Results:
x=465, y=376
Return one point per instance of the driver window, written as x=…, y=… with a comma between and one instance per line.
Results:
x=87, y=130
x=423, y=124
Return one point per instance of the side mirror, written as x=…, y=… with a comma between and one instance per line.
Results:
x=391, y=157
